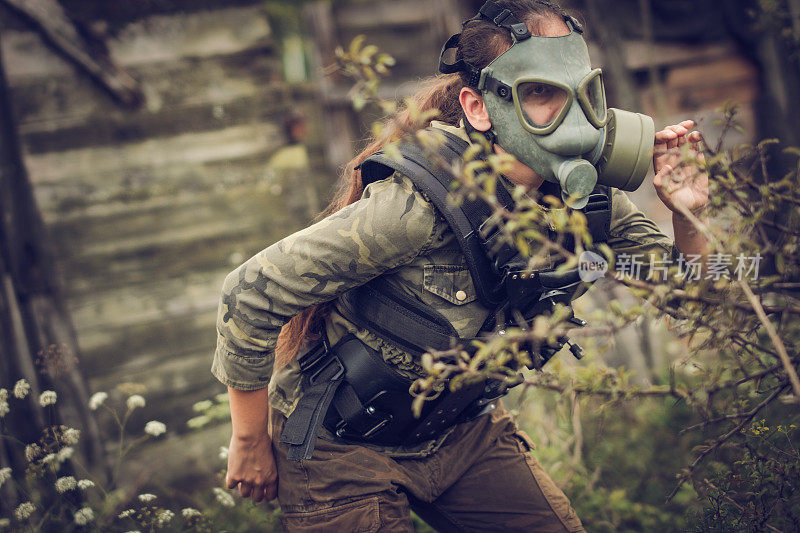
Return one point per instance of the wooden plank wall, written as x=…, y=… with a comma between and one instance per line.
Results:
x=150, y=209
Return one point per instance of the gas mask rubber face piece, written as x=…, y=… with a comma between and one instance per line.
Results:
x=548, y=109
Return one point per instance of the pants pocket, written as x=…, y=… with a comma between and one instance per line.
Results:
x=360, y=516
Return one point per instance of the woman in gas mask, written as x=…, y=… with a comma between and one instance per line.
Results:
x=358, y=296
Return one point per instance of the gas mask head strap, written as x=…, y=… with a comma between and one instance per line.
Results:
x=502, y=18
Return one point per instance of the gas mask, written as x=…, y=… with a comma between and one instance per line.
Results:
x=547, y=107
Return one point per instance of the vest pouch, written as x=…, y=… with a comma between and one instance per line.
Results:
x=381, y=395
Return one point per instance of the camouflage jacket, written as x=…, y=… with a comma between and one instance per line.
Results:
x=394, y=231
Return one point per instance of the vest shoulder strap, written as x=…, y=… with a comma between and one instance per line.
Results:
x=464, y=219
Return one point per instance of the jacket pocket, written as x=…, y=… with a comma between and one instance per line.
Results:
x=361, y=516
x=451, y=282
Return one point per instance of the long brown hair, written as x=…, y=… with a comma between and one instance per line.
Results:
x=480, y=43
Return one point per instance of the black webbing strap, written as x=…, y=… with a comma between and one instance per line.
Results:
x=489, y=12
x=465, y=220
x=447, y=412
x=324, y=374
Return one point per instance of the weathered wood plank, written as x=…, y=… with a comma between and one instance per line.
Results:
x=158, y=298
x=159, y=38
x=170, y=161
x=140, y=346
x=66, y=100
x=248, y=219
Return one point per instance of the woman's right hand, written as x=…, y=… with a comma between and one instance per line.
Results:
x=251, y=467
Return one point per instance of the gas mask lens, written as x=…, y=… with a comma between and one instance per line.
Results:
x=592, y=98
x=542, y=104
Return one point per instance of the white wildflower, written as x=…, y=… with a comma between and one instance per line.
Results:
x=202, y=405
x=223, y=452
x=84, y=484
x=134, y=401
x=65, y=453
x=147, y=497
x=164, y=517
x=3, y=395
x=5, y=475
x=71, y=436
x=31, y=451
x=21, y=389
x=63, y=484
x=198, y=421
x=48, y=397
x=5, y=522
x=84, y=516
x=24, y=510
x=4, y=408
x=49, y=458
x=97, y=399
x=189, y=512
x=224, y=498
x=126, y=513
x=155, y=428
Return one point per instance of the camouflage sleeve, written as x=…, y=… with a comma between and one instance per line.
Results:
x=636, y=240
x=389, y=226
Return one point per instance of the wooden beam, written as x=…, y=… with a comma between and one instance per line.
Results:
x=62, y=35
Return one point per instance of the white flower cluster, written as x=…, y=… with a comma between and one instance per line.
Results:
x=134, y=401
x=202, y=405
x=4, y=409
x=83, y=516
x=126, y=513
x=147, y=497
x=31, y=451
x=97, y=399
x=5, y=475
x=21, y=389
x=190, y=512
x=63, y=484
x=84, y=484
x=164, y=517
x=48, y=397
x=224, y=497
x=65, y=453
x=71, y=436
x=155, y=428
x=24, y=510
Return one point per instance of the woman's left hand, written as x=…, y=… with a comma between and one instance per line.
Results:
x=678, y=183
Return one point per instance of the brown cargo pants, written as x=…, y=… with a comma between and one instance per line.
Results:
x=482, y=478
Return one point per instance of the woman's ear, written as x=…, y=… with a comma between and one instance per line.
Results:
x=474, y=109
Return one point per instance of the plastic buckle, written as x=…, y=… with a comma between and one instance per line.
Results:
x=523, y=286
x=501, y=17
x=520, y=31
x=316, y=373
x=572, y=21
